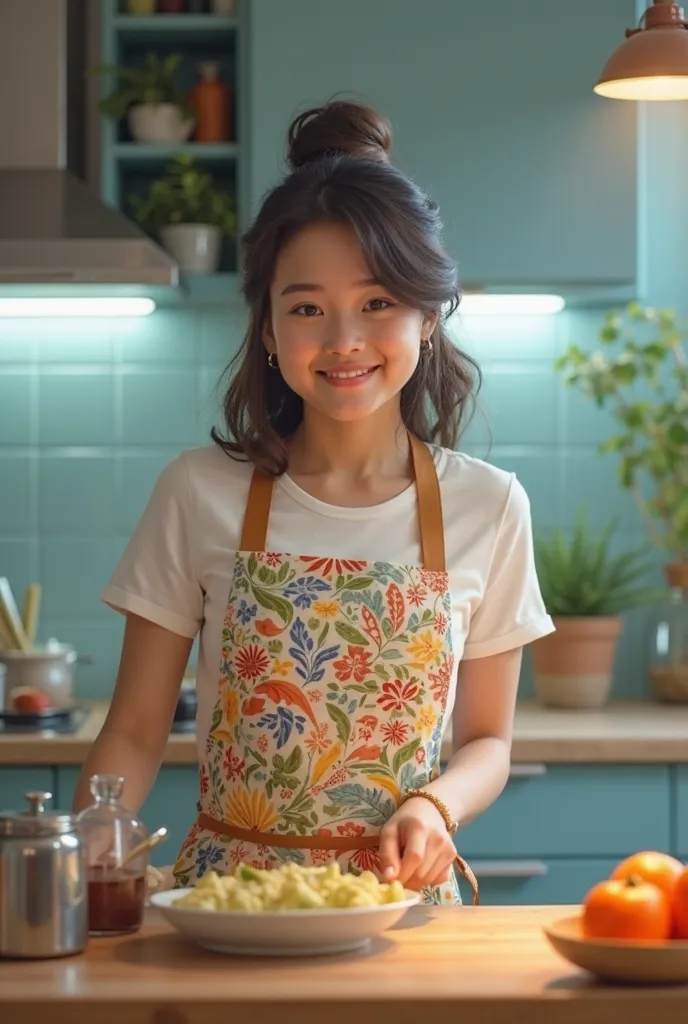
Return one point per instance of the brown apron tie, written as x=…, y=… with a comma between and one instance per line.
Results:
x=431, y=525
x=316, y=842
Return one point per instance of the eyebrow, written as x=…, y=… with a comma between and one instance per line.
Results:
x=304, y=287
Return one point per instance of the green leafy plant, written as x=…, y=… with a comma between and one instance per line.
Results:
x=185, y=195
x=153, y=83
x=644, y=384
x=580, y=576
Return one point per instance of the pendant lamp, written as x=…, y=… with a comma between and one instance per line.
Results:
x=652, y=64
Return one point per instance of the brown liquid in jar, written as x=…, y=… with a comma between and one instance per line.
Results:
x=115, y=901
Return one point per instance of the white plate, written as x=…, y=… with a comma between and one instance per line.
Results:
x=281, y=933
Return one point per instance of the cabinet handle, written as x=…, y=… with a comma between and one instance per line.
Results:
x=509, y=868
x=526, y=771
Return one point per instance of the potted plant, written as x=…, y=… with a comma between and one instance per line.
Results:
x=156, y=110
x=189, y=215
x=585, y=588
x=640, y=375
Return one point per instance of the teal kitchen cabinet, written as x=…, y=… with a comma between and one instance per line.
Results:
x=567, y=810
x=681, y=810
x=493, y=113
x=172, y=803
x=513, y=882
x=16, y=782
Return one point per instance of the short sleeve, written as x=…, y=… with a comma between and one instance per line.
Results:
x=156, y=577
x=511, y=612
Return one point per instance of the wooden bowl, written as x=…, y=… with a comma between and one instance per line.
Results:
x=641, y=963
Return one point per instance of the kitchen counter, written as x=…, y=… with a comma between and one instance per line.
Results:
x=486, y=965
x=633, y=732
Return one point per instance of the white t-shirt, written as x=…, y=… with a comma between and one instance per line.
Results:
x=177, y=568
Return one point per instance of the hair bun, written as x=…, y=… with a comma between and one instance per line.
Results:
x=335, y=128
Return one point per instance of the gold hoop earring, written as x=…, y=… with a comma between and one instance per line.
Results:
x=272, y=360
x=427, y=345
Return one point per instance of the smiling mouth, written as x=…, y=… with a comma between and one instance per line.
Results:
x=348, y=376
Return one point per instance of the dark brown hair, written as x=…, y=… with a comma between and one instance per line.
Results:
x=340, y=171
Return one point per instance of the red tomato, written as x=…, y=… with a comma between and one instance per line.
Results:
x=27, y=700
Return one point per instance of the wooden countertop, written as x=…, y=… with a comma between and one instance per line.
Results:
x=486, y=965
x=634, y=732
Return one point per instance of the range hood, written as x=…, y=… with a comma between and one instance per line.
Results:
x=54, y=229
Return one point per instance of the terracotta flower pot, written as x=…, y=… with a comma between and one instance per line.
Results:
x=573, y=667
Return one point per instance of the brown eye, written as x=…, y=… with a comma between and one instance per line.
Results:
x=307, y=309
x=376, y=304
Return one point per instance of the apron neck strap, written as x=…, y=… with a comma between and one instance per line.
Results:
x=255, y=529
x=429, y=498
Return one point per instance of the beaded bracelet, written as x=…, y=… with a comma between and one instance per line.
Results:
x=439, y=805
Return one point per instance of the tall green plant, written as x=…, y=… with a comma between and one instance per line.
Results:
x=580, y=576
x=652, y=440
x=153, y=83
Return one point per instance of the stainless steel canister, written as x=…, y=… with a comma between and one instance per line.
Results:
x=43, y=885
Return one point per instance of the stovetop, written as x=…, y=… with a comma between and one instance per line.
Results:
x=58, y=725
x=65, y=725
x=68, y=725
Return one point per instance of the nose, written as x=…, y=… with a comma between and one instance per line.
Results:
x=343, y=335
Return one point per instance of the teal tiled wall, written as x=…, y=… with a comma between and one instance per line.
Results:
x=90, y=411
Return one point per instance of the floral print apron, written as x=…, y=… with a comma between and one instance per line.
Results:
x=331, y=699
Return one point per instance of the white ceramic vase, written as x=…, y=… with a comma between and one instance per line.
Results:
x=195, y=247
x=159, y=123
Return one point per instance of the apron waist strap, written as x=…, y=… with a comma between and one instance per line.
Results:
x=316, y=842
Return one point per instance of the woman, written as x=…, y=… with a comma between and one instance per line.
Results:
x=364, y=558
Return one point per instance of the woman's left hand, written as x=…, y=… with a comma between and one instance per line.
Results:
x=415, y=846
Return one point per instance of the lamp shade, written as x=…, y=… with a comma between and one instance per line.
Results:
x=652, y=64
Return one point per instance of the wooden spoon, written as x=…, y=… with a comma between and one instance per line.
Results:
x=32, y=604
x=11, y=619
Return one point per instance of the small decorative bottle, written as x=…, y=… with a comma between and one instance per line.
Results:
x=116, y=882
x=210, y=100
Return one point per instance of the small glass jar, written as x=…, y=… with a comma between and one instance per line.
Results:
x=116, y=881
x=669, y=654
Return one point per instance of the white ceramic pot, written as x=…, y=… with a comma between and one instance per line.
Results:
x=159, y=123
x=195, y=247
x=48, y=669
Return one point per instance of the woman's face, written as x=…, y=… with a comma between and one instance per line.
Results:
x=342, y=341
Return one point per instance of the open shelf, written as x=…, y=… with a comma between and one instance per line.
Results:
x=128, y=167
x=174, y=24
x=146, y=153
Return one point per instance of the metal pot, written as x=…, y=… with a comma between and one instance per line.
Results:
x=49, y=669
x=43, y=886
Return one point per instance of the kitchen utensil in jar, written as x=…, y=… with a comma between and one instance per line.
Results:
x=12, y=625
x=43, y=899
x=153, y=840
x=116, y=871
x=31, y=610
